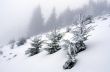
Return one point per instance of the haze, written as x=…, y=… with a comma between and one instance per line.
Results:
x=15, y=15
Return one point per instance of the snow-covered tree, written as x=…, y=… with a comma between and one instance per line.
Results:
x=36, y=45
x=80, y=34
x=81, y=31
x=71, y=51
x=54, y=46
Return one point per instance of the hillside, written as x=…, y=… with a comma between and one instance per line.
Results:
x=95, y=59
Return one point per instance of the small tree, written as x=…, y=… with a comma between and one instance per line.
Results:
x=36, y=45
x=54, y=45
x=81, y=31
x=71, y=53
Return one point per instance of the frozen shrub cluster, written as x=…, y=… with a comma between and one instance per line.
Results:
x=80, y=32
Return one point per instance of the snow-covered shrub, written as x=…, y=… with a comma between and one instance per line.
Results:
x=32, y=51
x=54, y=46
x=9, y=58
x=14, y=56
x=70, y=49
x=1, y=52
x=36, y=45
x=69, y=64
x=80, y=46
x=21, y=41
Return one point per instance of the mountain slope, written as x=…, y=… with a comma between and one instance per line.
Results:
x=95, y=59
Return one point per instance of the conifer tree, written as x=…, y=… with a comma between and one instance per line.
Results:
x=36, y=45
x=54, y=46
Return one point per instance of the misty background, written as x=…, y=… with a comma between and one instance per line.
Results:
x=25, y=18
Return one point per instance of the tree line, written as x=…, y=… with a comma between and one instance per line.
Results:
x=67, y=17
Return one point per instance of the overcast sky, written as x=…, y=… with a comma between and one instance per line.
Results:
x=16, y=14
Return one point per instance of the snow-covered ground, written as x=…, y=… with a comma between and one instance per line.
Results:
x=95, y=59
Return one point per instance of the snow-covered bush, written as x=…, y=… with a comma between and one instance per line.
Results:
x=54, y=46
x=21, y=41
x=14, y=56
x=80, y=46
x=1, y=52
x=70, y=49
x=36, y=45
x=69, y=64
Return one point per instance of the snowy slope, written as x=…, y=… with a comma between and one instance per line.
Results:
x=95, y=59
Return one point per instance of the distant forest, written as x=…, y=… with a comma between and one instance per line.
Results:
x=39, y=25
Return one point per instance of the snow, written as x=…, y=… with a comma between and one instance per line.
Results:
x=95, y=59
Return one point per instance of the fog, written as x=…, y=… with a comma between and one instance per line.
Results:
x=15, y=15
